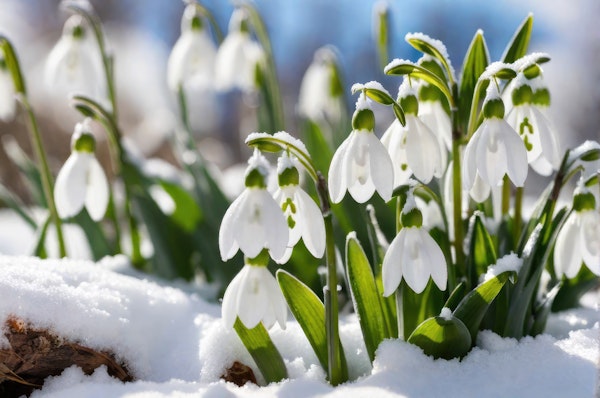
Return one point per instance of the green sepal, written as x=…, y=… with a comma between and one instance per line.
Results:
x=517, y=47
x=263, y=351
x=399, y=113
x=376, y=95
x=442, y=338
x=365, y=296
x=474, y=305
x=474, y=64
x=309, y=311
x=363, y=119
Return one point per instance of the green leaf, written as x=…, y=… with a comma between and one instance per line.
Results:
x=540, y=316
x=263, y=351
x=517, y=47
x=571, y=290
x=481, y=250
x=399, y=113
x=12, y=62
x=11, y=200
x=474, y=305
x=365, y=296
x=27, y=167
x=187, y=213
x=309, y=311
x=474, y=64
x=428, y=48
x=456, y=296
x=442, y=337
x=99, y=245
x=417, y=307
x=39, y=249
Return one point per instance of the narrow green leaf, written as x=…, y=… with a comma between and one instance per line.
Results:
x=399, y=113
x=39, y=249
x=474, y=305
x=540, y=316
x=365, y=296
x=96, y=238
x=12, y=62
x=263, y=351
x=428, y=48
x=27, y=167
x=517, y=47
x=442, y=337
x=11, y=200
x=456, y=296
x=417, y=307
x=571, y=290
x=481, y=250
x=474, y=64
x=187, y=213
x=379, y=96
x=309, y=311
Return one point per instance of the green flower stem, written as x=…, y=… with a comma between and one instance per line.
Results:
x=518, y=212
x=505, y=196
x=47, y=181
x=14, y=67
x=330, y=291
x=457, y=202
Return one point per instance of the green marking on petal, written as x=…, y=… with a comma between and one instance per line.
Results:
x=290, y=221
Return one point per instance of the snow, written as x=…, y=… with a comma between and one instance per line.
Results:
x=177, y=346
x=510, y=262
x=437, y=44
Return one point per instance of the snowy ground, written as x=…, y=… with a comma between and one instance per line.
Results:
x=176, y=345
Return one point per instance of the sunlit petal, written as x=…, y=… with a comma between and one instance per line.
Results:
x=97, y=195
x=313, y=233
x=392, y=264
x=337, y=175
x=567, y=252
x=381, y=168
x=227, y=240
x=71, y=185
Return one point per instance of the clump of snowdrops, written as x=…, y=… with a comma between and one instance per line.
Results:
x=422, y=229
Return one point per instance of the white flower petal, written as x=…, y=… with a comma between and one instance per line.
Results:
x=313, y=233
x=275, y=226
x=252, y=300
x=425, y=156
x=567, y=251
x=227, y=232
x=391, y=273
x=337, y=175
x=590, y=239
x=415, y=271
x=516, y=158
x=394, y=140
x=71, y=185
x=548, y=138
x=278, y=306
x=357, y=165
x=229, y=310
x=251, y=228
x=491, y=154
x=192, y=61
x=480, y=190
x=434, y=259
x=432, y=113
x=381, y=168
x=97, y=195
x=469, y=166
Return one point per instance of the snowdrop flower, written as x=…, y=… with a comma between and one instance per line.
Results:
x=413, y=255
x=433, y=114
x=254, y=296
x=81, y=181
x=303, y=216
x=494, y=150
x=413, y=148
x=192, y=60
x=8, y=105
x=361, y=165
x=73, y=64
x=254, y=221
x=535, y=129
x=579, y=239
x=321, y=91
x=238, y=57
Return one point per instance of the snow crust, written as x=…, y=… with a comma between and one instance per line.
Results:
x=177, y=346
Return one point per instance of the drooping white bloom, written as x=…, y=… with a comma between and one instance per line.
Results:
x=320, y=91
x=192, y=60
x=74, y=65
x=254, y=296
x=81, y=181
x=302, y=214
x=579, y=239
x=8, y=105
x=361, y=165
x=494, y=150
x=238, y=57
x=413, y=256
x=535, y=129
x=254, y=221
x=413, y=148
x=434, y=116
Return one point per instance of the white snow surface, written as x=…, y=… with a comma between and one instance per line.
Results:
x=176, y=345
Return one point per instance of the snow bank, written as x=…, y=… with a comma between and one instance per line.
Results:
x=176, y=345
